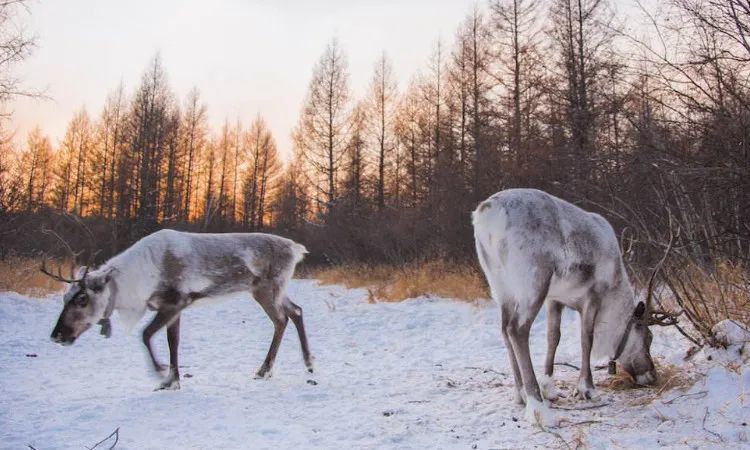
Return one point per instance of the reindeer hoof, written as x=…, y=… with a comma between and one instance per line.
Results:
x=263, y=374
x=585, y=392
x=549, y=390
x=539, y=413
x=519, y=398
x=169, y=385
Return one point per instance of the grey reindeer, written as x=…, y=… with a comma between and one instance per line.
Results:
x=537, y=249
x=168, y=271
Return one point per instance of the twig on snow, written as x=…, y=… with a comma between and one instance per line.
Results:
x=484, y=370
x=558, y=436
x=115, y=433
x=705, y=416
x=573, y=366
x=581, y=408
x=583, y=422
x=694, y=394
x=566, y=364
x=661, y=416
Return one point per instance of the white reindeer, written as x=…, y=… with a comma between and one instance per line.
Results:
x=535, y=248
x=168, y=271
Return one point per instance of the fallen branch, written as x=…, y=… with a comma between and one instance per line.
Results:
x=115, y=433
x=581, y=408
x=694, y=394
x=705, y=416
x=559, y=436
x=583, y=422
x=485, y=370
x=572, y=366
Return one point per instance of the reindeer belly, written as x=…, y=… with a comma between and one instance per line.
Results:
x=568, y=291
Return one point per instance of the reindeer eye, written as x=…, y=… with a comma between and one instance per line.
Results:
x=81, y=300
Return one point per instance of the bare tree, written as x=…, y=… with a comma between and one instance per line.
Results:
x=194, y=130
x=172, y=179
x=72, y=168
x=15, y=46
x=223, y=149
x=518, y=65
x=36, y=164
x=382, y=101
x=355, y=165
x=151, y=112
x=583, y=31
x=323, y=124
x=110, y=143
x=472, y=87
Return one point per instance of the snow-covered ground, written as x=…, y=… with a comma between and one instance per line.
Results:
x=424, y=373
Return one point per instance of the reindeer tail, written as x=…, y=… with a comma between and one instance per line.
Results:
x=298, y=252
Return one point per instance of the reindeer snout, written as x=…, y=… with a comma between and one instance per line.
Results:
x=58, y=338
x=647, y=378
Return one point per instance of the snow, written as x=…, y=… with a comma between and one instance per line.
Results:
x=424, y=373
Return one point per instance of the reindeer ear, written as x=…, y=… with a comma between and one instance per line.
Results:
x=639, y=310
x=81, y=272
x=97, y=283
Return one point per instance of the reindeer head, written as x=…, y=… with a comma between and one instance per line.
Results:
x=634, y=351
x=84, y=303
x=635, y=354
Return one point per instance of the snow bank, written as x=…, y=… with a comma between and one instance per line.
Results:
x=424, y=373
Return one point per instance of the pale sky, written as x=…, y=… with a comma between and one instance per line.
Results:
x=245, y=56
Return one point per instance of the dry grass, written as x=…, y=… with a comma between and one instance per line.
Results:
x=709, y=295
x=22, y=275
x=670, y=377
x=389, y=283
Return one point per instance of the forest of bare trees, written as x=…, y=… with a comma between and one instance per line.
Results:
x=639, y=115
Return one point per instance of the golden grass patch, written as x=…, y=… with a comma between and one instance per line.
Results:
x=22, y=275
x=395, y=283
x=670, y=377
x=709, y=294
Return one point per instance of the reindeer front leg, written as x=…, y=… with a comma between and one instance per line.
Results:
x=585, y=390
x=554, y=318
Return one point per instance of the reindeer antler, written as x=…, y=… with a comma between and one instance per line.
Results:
x=74, y=255
x=626, y=251
x=661, y=317
x=58, y=276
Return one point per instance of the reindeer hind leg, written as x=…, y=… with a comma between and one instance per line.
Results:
x=266, y=296
x=520, y=395
x=295, y=313
x=161, y=319
x=172, y=382
x=537, y=411
x=554, y=318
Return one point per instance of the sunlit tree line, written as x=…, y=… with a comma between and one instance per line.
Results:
x=150, y=158
x=555, y=94
x=630, y=116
